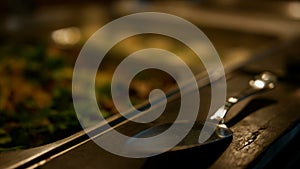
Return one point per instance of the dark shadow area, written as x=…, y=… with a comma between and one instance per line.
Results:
x=251, y=107
x=283, y=153
x=201, y=156
x=189, y=152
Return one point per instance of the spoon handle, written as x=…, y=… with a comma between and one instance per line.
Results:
x=262, y=82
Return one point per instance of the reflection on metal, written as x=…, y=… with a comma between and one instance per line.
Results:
x=264, y=81
x=261, y=82
x=219, y=114
x=66, y=36
x=233, y=100
x=293, y=10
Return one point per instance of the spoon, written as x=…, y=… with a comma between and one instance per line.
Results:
x=262, y=82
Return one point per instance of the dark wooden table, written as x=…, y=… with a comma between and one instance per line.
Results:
x=265, y=129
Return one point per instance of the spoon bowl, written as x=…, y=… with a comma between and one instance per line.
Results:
x=190, y=141
x=189, y=151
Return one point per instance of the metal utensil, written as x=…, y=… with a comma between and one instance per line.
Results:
x=262, y=82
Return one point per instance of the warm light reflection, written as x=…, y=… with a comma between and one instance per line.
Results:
x=233, y=100
x=293, y=9
x=66, y=36
x=259, y=84
x=219, y=114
